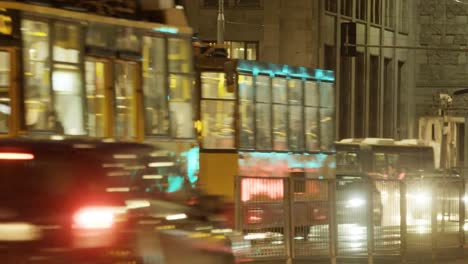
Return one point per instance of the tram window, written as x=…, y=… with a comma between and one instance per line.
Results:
x=279, y=90
x=179, y=55
x=263, y=122
x=295, y=92
x=100, y=35
x=327, y=95
x=5, y=109
x=96, y=98
x=181, y=106
x=218, y=124
x=66, y=84
x=296, y=134
x=327, y=126
x=66, y=42
x=263, y=89
x=311, y=128
x=280, y=127
x=154, y=87
x=251, y=51
x=347, y=162
x=311, y=94
x=237, y=50
x=125, y=82
x=214, y=86
x=247, y=126
x=128, y=39
x=38, y=102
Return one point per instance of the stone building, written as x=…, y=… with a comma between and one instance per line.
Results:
x=376, y=89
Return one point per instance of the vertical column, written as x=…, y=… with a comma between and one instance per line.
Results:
x=403, y=224
x=333, y=227
x=370, y=221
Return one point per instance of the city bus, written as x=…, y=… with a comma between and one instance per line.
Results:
x=95, y=69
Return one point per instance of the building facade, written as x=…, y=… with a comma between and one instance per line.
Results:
x=375, y=89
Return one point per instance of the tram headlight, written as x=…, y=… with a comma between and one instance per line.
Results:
x=355, y=202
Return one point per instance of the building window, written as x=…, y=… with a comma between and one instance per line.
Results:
x=374, y=95
x=402, y=98
x=311, y=105
x=247, y=3
x=217, y=112
x=327, y=115
x=345, y=98
x=389, y=99
x=296, y=114
x=246, y=50
x=375, y=11
x=403, y=16
x=389, y=17
x=280, y=114
x=361, y=9
x=214, y=3
x=346, y=7
x=52, y=105
x=331, y=5
x=246, y=105
x=263, y=112
x=359, y=96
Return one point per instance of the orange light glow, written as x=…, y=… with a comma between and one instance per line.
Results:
x=16, y=156
x=272, y=188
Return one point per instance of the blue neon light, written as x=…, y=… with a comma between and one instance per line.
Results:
x=167, y=30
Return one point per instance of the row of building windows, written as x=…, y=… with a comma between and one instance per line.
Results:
x=361, y=7
x=246, y=50
x=64, y=77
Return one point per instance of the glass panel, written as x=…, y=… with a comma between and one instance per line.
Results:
x=128, y=39
x=263, y=91
x=5, y=109
x=154, y=87
x=251, y=51
x=279, y=90
x=327, y=94
x=312, y=129
x=181, y=106
x=67, y=42
x=280, y=127
x=237, y=50
x=327, y=128
x=214, y=86
x=38, y=103
x=311, y=94
x=181, y=119
x=295, y=92
x=125, y=80
x=95, y=95
x=296, y=131
x=100, y=35
x=263, y=122
x=245, y=87
x=247, y=125
x=66, y=83
x=179, y=53
x=218, y=124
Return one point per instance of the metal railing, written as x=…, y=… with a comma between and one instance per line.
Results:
x=298, y=218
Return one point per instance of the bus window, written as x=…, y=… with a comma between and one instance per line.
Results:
x=5, y=110
x=347, y=163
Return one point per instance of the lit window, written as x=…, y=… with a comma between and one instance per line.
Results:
x=240, y=49
x=96, y=97
x=5, y=109
x=125, y=111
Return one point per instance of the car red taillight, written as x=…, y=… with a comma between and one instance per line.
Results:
x=99, y=217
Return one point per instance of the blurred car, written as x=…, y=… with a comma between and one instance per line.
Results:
x=89, y=201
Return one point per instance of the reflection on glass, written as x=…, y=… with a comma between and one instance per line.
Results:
x=279, y=90
x=154, y=87
x=263, y=122
x=218, y=124
x=128, y=39
x=237, y=50
x=246, y=110
x=295, y=92
x=5, y=110
x=66, y=84
x=181, y=106
x=66, y=45
x=311, y=128
x=251, y=51
x=179, y=55
x=263, y=91
x=280, y=127
x=311, y=94
x=296, y=134
x=327, y=95
x=214, y=86
x=37, y=95
x=125, y=81
x=245, y=85
x=327, y=128
x=95, y=96
x=100, y=35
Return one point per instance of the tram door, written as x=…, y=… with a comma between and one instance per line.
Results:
x=9, y=115
x=113, y=98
